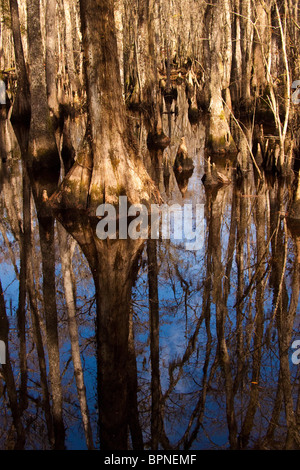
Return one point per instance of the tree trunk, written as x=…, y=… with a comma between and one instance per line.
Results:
x=236, y=71
x=51, y=67
x=73, y=78
x=219, y=138
x=144, y=52
x=21, y=106
x=113, y=167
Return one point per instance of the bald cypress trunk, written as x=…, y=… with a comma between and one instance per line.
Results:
x=110, y=165
x=246, y=42
x=51, y=68
x=21, y=107
x=219, y=138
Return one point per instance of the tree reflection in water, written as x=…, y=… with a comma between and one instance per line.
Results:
x=179, y=350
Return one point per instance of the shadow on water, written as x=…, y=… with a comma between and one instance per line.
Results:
x=180, y=349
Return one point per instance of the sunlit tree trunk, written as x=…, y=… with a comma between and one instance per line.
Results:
x=28, y=258
x=221, y=314
x=21, y=107
x=69, y=27
x=236, y=54
x=261, y=35
x=21, y=312
x=9, y=377
x=145, y=51
x=133, y=388
x=113, y=294
x=285, y=315
x=156, y=428
x=113, y=166
x=51, y=63
x=42, y=153
x=246, y=43
x=259, y=323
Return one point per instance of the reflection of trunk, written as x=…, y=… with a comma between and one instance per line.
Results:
x=219, y=136
x=133, y=418
x=46, y=230
x=285, y=316
x=66, y=264
x=9, y=377
x=274, y=421
x=144, y=52
x=198, y=413
x=259, y=324
x=113, y=294
x=73, y=78
x=221, y=313
x=285, y=327
x=21, y=313
x=113, y=265
x=38, y=341
x=22, y=136
x=154, y=344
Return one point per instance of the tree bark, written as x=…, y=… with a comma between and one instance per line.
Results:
x=73, y=78
x=113, y=167
x=51, y=66
x=219, y=138
x=156, y=425
x=246, y=42
x=21, y=106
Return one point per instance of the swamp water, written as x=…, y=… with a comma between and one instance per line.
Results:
x=210, y=331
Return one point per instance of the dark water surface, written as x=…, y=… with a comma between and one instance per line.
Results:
x=217, y=371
